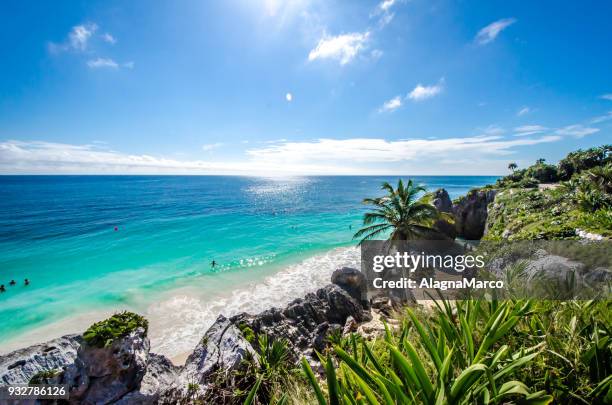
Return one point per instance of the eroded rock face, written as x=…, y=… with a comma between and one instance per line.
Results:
x=442, y=201
x=222, y=347
x=21, y=365
x=305, y=322
x=471, y=213
x=105, y=375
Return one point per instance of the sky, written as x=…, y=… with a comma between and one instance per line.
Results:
x=272, y=87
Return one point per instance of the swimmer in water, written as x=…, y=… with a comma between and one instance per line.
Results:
x=26, y=282
x=2, y=289
x=12, y=283
x=213, y=263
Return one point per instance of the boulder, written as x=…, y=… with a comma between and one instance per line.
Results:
x=352, y=281
x=552, y=267
x=598, y=275
x=223, y=347
x=159, y=380
x=471, y=213
x=442, y=201
x=20, y=366
x=102, y=375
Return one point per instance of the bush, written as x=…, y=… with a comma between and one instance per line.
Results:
x=578, y=161
x=104, y=333
x=43, y=377
x=543, y=173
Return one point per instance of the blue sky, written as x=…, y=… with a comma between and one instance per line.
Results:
x=301, y=87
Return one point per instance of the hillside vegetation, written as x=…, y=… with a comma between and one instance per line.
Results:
x=577, y=196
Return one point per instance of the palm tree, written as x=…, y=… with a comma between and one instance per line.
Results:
x=512, y=166
x=403, y=212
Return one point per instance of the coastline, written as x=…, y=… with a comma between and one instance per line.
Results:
x=181, y=315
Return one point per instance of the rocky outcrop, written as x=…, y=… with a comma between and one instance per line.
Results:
x=471, y=213
x=443, y=203
x=223, y=347
x=306, y=322
x=104, y=375
x=352, y=281
x=21, y=365
x=125, y=372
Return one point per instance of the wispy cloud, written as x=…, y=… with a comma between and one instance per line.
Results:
x=106, y=37
x=526, y=130
x=602, y=118
x=577, y=131
x=78, y=38
x=421, y=92
x=343, y=48
x=606, y=96
x=391, y=105
x=102, y=63
x=320, y=156
x=210, y=146
x=383, y=12
x=523, y=111
x=491, y=31
x=375, y=150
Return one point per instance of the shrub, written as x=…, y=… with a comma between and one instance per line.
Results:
x=104, y=333
x=43, y=377
x=543, y=173
x=578, y=161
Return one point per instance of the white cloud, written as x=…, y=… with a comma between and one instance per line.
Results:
x=289, y=97
x=523, y=111
x=343, y=48
x=381, y=151
x=391, y=105
x=602, y=118
x=526, y=130
x=102, y=63
x=106, y=37
x=80, y=34
x=78, y=39
x=491, y=31
x=421, y=92
x=577, y=131
x=210, y=146
x=321, y=156
x=383, y=12
x=606, y=96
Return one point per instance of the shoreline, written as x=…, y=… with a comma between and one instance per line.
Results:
x=180, y=317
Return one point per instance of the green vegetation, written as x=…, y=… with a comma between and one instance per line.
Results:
x=247, y=332
x=43, y=377
x=404, y=213
x=477, y=352
x=573, y=164
x=580, y=198
x=262, y=380
x=104, y=333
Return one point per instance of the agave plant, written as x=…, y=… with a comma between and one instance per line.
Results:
x=405, y=213
x=456, y=358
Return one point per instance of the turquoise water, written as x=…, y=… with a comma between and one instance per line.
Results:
x=59, y=232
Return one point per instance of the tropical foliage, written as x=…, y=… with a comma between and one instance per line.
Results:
x=404, y=213
x=103, y=333
x=477, y=352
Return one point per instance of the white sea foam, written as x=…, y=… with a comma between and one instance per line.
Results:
x=178, y=322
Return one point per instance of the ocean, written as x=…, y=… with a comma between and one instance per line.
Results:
x=94, y=245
